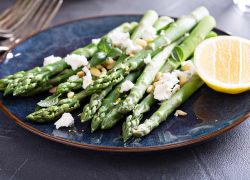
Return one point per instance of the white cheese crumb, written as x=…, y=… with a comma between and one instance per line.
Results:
x=73, y=78
x=169, y=83
x=126, y=86
x=180, y=113
x=132, y=47
x=118, y=38
x=166, y=86
x=96, y=41
x=66, y=120
x=122, y=40
x=147, y=59
x=149, y=33
x=50, y=60
x=76, y=61
x=87, y=79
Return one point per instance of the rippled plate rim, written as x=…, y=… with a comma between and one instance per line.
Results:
x=112, y=148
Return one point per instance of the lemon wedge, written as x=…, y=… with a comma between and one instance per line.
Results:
x=223, y=63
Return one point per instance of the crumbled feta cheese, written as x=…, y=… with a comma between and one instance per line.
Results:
x=96, y=41
x=119, y=38
x=149, y=33
x=51, y=59
x=169, y=83
x=132, y=47
x=147, y=59
x=122, y=40
x=76, y=61
x=126, y=86
x=87, y=79
x=73, y=78
x=65, y=121
x=166, y=86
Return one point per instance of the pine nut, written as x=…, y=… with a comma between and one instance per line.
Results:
x=95, y=72
x=141, y=42
x=180, y=113
x=53, y=90
x=104, y=71
x=70, y=94
x=183, y=79
x=158, y=76
x=150, y=89
x=80, y=74
x=99, y=67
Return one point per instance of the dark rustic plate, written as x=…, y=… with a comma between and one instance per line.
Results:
x=209, y=113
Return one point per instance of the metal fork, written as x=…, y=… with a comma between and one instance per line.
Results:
x=26, y=17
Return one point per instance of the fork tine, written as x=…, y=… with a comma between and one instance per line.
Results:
x=10, y=9
x=28, y=15
x=44, y=15
x=27, y=26
x=51, y=14
x=9, y=21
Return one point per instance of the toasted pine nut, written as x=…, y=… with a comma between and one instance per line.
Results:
x=109, y=61
x=180, y=113
x=141, y=42
x=150, y=88
x=53, y=90
x=158, y=76
x=80, y=74
x=109, y=66
x=104, y=71
x=183, y=79
x=95, y=72
x=70, y=94
x=99, y=67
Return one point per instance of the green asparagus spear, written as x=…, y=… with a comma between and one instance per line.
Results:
x=136, y=93
x=167, y=107
x=162, y=23
x=52, y=113
x=32, y=79
x=175, y=31
x=110, y=100
x=52, y=82
x=95, y=102
x=149, y=18
x=146, y=78
x=199, y=33
x=144, y=106
x=133, y=120
x=180, y=27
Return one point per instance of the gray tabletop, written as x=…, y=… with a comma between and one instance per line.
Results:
x=24, y=155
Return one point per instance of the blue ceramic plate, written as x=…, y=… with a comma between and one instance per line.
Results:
x=209, y=113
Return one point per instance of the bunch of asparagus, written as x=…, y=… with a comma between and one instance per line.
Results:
x=174, y=43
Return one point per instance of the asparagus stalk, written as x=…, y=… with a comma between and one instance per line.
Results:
x=32, y=79
x=136, y=93
x=95, y=102
x=133, y=120
x=52, y=82
x=167, y=107
x=149, y=18
x=146, y=78
x=109, y=101
x=162, y=23
x=52, y=113
x=185, y=50
x=174, y=32
x=144, y=106
x=180, y=27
